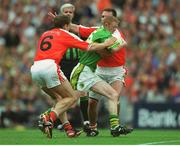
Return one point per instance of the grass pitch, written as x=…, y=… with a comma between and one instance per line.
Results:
x=137, y=137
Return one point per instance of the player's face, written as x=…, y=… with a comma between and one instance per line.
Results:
x=112, y=26
x=69, y=12
x=105, y=14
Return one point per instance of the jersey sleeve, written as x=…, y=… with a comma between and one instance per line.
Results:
x=120, y=40
x=122, y=35
x=73, y=41
x=84, y=32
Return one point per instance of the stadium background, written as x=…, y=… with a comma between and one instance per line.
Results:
x=153, y=57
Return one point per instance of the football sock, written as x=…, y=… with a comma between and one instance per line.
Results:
x=114, y=121
x=69, y=129
x=84, y=107
x=53, y=116
x=67, y=126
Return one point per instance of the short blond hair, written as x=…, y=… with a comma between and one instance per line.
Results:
x=110, y=19
x=67, y=5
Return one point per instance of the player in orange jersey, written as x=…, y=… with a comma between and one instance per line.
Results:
x=47, y=73
x=70, y=59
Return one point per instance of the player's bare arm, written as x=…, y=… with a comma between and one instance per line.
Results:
x=100, y=46
x=120, y=43
x=74, y=28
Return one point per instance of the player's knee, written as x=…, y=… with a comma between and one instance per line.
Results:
x=115, y=96
x=75, y=98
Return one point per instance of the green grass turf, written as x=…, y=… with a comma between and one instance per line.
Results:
x=34, y=136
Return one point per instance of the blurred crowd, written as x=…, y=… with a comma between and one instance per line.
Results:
x=152, y=30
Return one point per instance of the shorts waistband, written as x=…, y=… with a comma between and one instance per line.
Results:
x=110, y=70
x=44, y=61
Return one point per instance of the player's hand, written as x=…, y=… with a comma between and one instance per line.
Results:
x=50, y=14
x=110, y=41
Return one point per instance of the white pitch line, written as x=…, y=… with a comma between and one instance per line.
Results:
x=160, y=142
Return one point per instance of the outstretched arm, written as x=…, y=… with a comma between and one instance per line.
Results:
x=120, y=43
x=74, y=28
x=105, y=44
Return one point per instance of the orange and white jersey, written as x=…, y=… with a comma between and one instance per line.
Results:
x=54, y=43
x=117, y=58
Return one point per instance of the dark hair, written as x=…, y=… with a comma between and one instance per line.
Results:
x=61, y=20
x=113, y=11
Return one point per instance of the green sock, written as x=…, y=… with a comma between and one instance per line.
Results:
x=114, y=121
x=84, y=107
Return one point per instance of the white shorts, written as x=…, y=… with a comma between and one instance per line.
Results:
x=111, y=74
x=82, y=78
x=46, y=73
x=108, y=74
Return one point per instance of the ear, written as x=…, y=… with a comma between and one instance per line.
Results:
x=106, y=24
x=65, y=26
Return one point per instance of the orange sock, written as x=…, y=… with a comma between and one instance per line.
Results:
x=67, y=126
x=53, y=116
